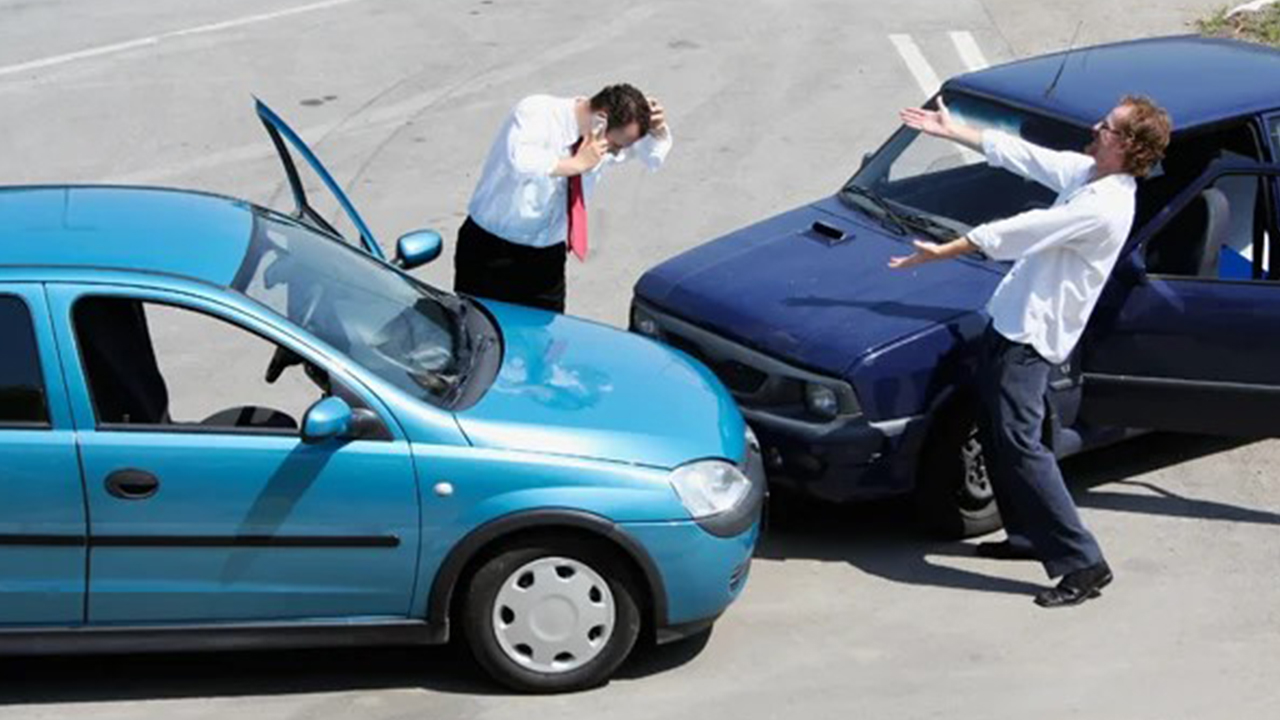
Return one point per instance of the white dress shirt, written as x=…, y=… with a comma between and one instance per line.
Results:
x=517, y=198
x=1063, y=254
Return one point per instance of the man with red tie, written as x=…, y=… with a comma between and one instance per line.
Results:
x=529, y=208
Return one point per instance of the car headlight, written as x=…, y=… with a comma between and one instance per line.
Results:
x=644, y=323
x=708, y=487
x=821, y=400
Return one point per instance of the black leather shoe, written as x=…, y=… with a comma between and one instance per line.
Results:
x=1003, y=550
x=1076, y=587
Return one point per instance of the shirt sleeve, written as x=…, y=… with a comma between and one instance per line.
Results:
x=527, y=146
x=650, y=149
x=1038, y=230
x=1055, y=169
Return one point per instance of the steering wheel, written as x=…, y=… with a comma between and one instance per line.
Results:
x=283, y=356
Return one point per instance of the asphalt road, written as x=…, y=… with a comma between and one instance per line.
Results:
x=772, y=103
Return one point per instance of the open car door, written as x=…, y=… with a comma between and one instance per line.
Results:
x=1190, y=342
x=284, y=138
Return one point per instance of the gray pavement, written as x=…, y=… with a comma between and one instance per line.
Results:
x=847, y=613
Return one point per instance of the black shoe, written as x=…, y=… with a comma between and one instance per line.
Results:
x=1003, y=550
x=1076, y=587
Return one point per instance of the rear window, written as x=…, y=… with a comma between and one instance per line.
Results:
x=22, y=400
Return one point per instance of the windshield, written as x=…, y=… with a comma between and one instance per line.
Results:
x=929, y=185
x=404, y=331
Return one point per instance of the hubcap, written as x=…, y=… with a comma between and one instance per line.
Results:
x=553, y=615
x=976, y=489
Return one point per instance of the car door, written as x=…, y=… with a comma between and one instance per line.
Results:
x=1189, y=337
x=205, y=504
x=318, y=200
x=42, y=517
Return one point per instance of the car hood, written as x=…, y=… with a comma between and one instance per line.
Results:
x=573, y=387
x=778, y=286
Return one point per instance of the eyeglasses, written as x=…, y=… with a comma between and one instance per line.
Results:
x=1105, y=126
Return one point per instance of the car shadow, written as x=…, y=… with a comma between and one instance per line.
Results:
x=1096, y=475
x=880, y=538
x=448, y=669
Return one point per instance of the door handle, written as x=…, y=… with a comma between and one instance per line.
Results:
x=131, y=484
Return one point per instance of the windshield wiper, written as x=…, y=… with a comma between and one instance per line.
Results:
x=899, y=221
x=888, y=216
x=460, y=378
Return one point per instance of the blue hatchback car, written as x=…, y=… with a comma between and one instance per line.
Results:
x=858, y=378
x=226, y=427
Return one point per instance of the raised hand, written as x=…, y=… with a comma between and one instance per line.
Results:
x=931, y=122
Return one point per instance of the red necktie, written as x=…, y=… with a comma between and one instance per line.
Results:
x=577, y=214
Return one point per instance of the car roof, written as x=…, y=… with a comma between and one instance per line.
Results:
x=156, y=230
x=1198, y=80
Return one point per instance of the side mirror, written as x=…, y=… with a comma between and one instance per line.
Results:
x=326, y=419
x=866, y=158
x=418, y=248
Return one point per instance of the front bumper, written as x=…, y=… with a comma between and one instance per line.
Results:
x=704, y=563
x=702, y=574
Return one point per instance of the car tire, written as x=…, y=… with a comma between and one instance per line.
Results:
x=551, y=615
x=953, y=496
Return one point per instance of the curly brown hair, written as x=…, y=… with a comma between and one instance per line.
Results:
x=1145, y=129
x=624, y=104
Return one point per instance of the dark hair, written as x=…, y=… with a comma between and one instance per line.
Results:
x=1146, y=129
x=624, y=104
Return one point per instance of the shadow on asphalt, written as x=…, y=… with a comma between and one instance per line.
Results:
x=108, y=678
x=880, y=538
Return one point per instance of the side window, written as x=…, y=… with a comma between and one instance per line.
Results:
x=1220, y=234
x=1275, y=136
x=155, y=364
x=22, y=399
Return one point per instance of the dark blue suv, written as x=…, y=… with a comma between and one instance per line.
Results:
x=858, y=379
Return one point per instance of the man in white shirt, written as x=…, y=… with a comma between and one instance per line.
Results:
x=528, y=210
x=1063, y=256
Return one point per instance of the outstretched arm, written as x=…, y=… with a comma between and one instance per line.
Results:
x=939, y=123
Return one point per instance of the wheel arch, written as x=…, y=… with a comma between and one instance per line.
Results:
x=468, y=553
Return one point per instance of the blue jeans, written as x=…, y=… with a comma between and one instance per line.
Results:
x=1034, y=503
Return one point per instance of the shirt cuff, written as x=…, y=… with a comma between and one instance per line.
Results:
x=657, y=149
x=992, y=141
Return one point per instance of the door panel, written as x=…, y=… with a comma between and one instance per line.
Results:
x=1195, y=354
x=42, y=520
x=249, y=527
x=246, y=522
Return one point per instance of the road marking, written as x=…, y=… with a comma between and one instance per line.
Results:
x=920, y=68
x=397, y=113
x=102, y=50
x=969, y=51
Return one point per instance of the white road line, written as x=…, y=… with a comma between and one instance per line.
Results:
x=101, y=50
x=397, y=113
x=920, y=68
x=969, y=51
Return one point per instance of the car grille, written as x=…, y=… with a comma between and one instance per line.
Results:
x=737, y=376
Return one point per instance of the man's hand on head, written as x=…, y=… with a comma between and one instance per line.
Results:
x=657, y=119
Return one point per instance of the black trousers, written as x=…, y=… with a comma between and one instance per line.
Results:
x=1034, y=502
x=485, y=265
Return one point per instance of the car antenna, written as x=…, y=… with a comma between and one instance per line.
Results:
x=1065, y=57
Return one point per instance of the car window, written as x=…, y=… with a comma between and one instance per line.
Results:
x=401, y=330
x=22, y=396
x=1275, y=136
x=954, y=185
x=1221, y=233
x=162, y=365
